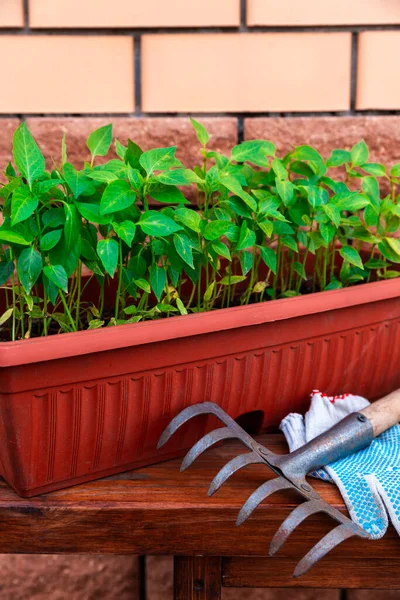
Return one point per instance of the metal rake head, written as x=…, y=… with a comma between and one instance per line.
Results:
x=291, y=470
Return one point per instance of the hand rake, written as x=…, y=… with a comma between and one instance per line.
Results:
x=353, y=433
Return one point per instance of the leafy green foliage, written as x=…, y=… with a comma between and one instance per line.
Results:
x=264, y=227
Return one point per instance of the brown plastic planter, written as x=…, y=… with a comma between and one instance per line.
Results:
x=83, y=405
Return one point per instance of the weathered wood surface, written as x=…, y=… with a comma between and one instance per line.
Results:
x=197, y=578
x=158, y=510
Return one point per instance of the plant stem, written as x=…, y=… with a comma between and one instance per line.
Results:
x=117, y=300
x=44, y=312
x=78, y=299
x=62, y=296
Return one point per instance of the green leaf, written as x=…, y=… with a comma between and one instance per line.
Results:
x=96, y=324
x=370, y=187
x=328, y=232
x=209, y=292
x=158, y=280
x=317, y=196
x=254, y=151
x=232, y=279
x=72, y=227
x=279, y=168
x=132, y=155
x=216, y=229
x=54, y=217
x=27, y=156
x=394, y=244
x=333, y=213
x=143, y=284
x=108, y=251
x=307, y=153
x=12, y=237
x=23, y=205
x=285, y=189
x=49, y=240
x=158, y=159
x=246, y=261
x=359, y=154
x=103, y=176
x=190, y=218
x=338, y=158
x=375, y=263
x=135, y=178
x=118, y=195
x=201, y=132
x=168, y=194
x=269, y=257
x=181, y=306
x=351, y=201
x=351, y=255
x=178, y=177
x=29, y=267
x=99, y=141
x=395, y=170
x=289, y=242
x=266, y=226
x=120, y=150
x=183, y=247
x=221, y=249
x=156, y=223
x=6, y=315
x=77, y=181
x=233, y=185
x=91, y=212
x=57, y=275
x=6, y=270
x=247, y=237
x=375, y=169
x=126, y=231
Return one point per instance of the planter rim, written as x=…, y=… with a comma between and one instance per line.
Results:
x=136, y=334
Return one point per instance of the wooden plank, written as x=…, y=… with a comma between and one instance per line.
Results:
x=376, y=573
x=197, y=578
x=158, y=510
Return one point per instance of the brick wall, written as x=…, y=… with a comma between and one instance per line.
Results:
x=286, y=70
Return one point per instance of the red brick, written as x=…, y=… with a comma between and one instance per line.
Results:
x=147, y=132
x=381, y=133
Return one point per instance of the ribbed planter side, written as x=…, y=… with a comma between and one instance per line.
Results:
x=79, y=406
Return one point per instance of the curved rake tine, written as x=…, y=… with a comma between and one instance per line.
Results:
x=231, y=467
x=190, y=412
x=261, y=493
x=207, y=441
x=328, y=542
x=297, y=516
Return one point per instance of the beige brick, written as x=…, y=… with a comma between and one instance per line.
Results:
x=149, y=133
x=381, y=133
x=73, y=74
x=11, y=13
x=246, y=72
x=326, y=12
x=378, y=86
x=134, y=13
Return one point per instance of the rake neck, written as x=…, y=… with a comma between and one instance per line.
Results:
x=353, y=433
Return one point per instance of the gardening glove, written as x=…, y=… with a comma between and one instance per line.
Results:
x=369, y=480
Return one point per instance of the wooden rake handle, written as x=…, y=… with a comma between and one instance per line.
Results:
x=384, y=413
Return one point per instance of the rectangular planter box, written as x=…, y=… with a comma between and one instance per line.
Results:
x=78, y=406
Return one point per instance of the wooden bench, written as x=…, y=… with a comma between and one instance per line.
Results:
x=158, y=510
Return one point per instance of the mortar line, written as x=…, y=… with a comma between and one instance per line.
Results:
x=353, y=76
x=138, y=73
